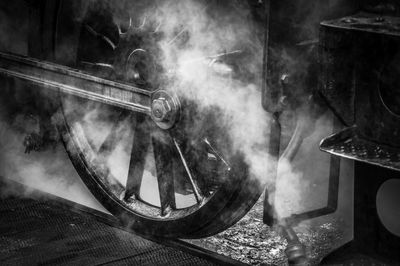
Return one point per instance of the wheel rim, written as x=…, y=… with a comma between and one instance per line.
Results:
x=164, y=141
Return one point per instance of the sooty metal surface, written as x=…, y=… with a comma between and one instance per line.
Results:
x=367, y=22
x=42, y=230
x=349, y=144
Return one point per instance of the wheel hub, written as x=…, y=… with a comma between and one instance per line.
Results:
x=165, y=109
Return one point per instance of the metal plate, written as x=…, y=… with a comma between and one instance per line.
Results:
x=349, y=144
x=367, y=22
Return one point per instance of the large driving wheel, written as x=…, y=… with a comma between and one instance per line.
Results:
x=169, y=172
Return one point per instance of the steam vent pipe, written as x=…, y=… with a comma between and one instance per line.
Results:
x=295, y=251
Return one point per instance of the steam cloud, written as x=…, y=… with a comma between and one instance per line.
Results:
x=209, y=83
x=47, y=172
x=195, y=31
x=194, y=34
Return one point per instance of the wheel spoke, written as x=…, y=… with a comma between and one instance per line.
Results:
x=197, y=192
x=209, y=166
x=213, y=151
x=141, y=142
x=163, y=153
x=112, y=138
x=101, y=36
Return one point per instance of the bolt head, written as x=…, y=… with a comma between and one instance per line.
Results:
x=165, y=109
x=160, y=109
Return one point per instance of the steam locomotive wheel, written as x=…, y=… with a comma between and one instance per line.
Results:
x=170, y=173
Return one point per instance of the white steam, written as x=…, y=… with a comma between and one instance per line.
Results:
x=195, y=33
x=48, y=171
x=193, y=36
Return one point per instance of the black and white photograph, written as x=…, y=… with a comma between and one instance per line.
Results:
x=199, y=132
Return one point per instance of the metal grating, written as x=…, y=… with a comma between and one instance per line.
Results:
x=44, y=232
x=349, y=144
